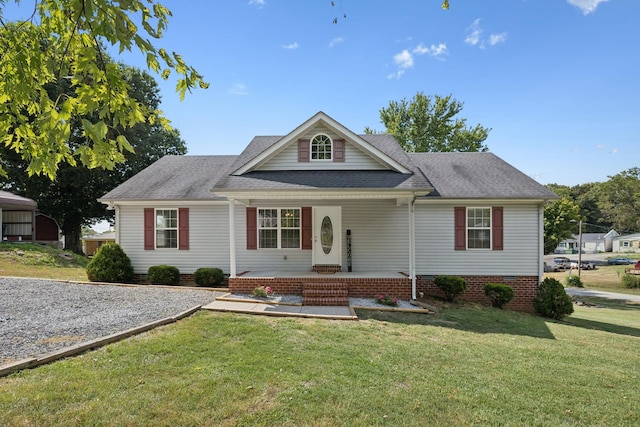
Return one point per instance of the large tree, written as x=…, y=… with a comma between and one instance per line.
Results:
x=620, y=200
x=71, y=198
x=426, y=124
x=561, y=219
x=62, y=43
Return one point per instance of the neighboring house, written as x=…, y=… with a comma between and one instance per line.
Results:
x=325, y=206
x=628, y=243
x=17, y=217
x=591, y=243
x=91, y=243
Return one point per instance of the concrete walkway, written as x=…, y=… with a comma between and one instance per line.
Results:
x=581, y=292
x=309, y=311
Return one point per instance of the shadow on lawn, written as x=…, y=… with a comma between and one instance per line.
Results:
x=482, y=320
x=602, y=326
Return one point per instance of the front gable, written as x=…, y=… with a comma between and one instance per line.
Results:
x=301, y=149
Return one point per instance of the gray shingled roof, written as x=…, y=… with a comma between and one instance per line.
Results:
x=477, y=175
x=174, y=178
x=451, y=175
x=323, y=179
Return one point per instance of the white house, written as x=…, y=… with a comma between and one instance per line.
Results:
x=627, y=243
x=323, y=206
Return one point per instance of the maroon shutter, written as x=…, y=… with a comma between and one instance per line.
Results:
x=183, y=229
x=303, y=150
x=149, y=229
x=252, y=228
x=306, y=228
x=338, y=150
x=497, y=227
x=460, y=228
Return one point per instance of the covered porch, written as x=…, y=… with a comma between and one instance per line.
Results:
x=325, y=289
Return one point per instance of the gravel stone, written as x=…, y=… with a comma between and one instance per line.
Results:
x=40, y=316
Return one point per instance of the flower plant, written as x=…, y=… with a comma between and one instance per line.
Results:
x=387, y=300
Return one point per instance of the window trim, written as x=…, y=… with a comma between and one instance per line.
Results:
x=489, y=228
x=312, y=144
x=279, y=228
x=156, y=228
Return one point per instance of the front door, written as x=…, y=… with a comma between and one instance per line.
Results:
x=327, y=235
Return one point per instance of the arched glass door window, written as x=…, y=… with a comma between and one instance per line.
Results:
x=321, y=147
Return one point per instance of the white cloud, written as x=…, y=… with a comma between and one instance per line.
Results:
x=238, y=89
x=293, y=45
x=494, y=39
x=601, y=146
x=587, y=6
x=258, y=3
x=614, y=151
x=403, y=59
x=336, y=41
x=473, y=33
x=475, y=38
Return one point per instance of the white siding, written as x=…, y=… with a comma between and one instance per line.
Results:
x=355, y=159
x=379, y=239
x=435, y=252
x=208, y=239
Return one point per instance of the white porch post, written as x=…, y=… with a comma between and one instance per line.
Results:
x=232, y=238
x=412, y=247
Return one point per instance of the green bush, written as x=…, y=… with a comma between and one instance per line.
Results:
x=574, y=281
x=499, y=294
x=551, y=300
x=208, y=277
x=163, y=275
x=452, y=286
x=631, y=281
x=110, y=264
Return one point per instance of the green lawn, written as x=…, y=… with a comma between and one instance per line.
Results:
x=465, y=366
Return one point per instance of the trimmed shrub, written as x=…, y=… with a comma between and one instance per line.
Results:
x=631, y=281
x=551, y=300
x=499, y=294
x=110, y=264
x=208, y=277
x=574, y=281
x=452, y=286
x=163, y=275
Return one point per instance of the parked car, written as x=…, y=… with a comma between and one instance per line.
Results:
x=561, y=262
x=588, y=265
x=620, y=261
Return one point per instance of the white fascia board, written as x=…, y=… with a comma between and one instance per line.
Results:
x=162, y=202
x=357, y=194
x=477, y=201
x=315, y=119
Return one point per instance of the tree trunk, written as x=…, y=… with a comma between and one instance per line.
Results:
x=72, y=231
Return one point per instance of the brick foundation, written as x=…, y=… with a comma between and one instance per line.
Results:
x=525, y=288
x=358, y=287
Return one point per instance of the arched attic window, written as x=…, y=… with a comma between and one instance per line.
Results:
x=321, y=147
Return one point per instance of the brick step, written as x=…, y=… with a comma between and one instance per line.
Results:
x=325, y=293
x=326, y=301
x=327, y=285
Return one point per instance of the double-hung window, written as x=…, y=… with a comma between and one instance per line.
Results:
x=279, y=228
x=479, y=228
x=166, y=228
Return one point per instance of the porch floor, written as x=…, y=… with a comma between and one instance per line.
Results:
x=312, y=274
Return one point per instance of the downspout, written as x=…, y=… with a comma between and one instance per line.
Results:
x=412, y=246
x=232, y=238
x=540, y=242
x=117, y=223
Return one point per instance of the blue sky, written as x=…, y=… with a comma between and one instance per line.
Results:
x=557, y=81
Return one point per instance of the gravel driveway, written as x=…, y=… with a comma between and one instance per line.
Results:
x=40, y=316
